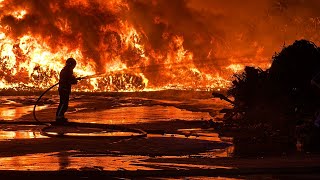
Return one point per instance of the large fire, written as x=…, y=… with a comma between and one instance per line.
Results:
x=136, y=45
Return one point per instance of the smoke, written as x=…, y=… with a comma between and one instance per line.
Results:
x=248, y=31
x=60, y=23
x=267, y=24
x=215, y=33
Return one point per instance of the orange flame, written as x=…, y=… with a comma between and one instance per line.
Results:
x=110, y=38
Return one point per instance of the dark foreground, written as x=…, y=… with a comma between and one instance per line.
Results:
x=179, y=144
x=269, y=168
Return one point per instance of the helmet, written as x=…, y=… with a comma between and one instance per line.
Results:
x=71, y=62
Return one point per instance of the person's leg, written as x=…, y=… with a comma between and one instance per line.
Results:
x=58, y=110
x=63, y=105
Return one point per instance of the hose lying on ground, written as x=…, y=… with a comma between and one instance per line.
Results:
x=35, y=105
x=45, y=130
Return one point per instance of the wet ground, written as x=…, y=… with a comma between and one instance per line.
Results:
x=172, y=138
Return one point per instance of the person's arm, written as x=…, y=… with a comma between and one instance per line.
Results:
x=73, y=79
x=70, y=78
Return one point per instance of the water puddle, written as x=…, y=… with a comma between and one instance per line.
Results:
x=65, y=161
x=142, y=114
x=7, y=135
x=12, y=112
x=24, y=131
x=78, y=161
x=219, y=147
x=32, y=131
x=60, y=161
x=88, y=132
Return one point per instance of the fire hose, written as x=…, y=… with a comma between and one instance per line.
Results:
x=79, y=78
x=35, y=105
x=45, y=131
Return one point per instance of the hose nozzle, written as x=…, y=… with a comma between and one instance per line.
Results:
x=80, y=78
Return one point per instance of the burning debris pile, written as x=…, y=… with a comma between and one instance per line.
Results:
x=282, y=98
x=145, y=45
x=36, y=37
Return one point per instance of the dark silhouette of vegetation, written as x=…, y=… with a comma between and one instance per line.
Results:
x=281, y=99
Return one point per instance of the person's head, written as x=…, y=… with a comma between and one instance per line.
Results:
x=71, y=63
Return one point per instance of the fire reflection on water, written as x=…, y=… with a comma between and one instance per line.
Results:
x=140, y=114
x=6, y=135
x=75, y=160
x=11, y=113
x=63, y=161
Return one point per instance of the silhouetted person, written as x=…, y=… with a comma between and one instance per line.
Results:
x=66, y=80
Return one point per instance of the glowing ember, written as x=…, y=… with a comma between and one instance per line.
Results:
x=141, y=45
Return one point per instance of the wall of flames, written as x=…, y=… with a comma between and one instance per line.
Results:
x=146, y=45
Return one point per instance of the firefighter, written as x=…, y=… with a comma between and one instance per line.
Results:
x=66, y=80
